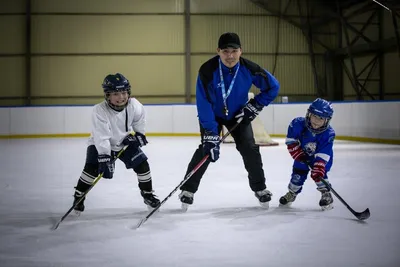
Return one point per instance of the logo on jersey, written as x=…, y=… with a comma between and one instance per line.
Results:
x=219, y=85
x=310, y=148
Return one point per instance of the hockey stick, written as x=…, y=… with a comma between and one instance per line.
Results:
x=187, y=177
x=360, y=215
x=87, y=191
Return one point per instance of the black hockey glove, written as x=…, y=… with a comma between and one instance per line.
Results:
x=211, y=146
x=136, y=140
x=249, y=112
x=106, y=166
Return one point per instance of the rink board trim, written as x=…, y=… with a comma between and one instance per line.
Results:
x=345, y=138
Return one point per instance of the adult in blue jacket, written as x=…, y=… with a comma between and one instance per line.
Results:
x=222, y=88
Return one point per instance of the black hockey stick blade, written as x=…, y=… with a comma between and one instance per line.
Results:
x=62, y=218
x=87, y=191
x=362, y=215
x=142, y=221
x=76, y=204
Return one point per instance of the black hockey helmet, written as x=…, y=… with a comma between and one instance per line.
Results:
x=115, y=83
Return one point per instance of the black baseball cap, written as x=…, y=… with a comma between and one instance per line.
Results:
x=229, y=39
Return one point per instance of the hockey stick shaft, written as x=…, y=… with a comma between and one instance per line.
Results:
x=87, y=191
x=360, y=215
x=187, y=177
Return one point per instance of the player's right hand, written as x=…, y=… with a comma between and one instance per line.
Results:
x=106, y=167
x=296, y=152
x=211, y=146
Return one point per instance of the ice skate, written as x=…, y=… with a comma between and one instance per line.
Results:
x=186, y=199
x=326, y=201
x=264, y=197
x=287, y=199
x=150, y=199
x=80, y=207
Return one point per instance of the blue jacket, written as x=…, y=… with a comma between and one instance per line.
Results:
x=209, y=98
x=315, y=146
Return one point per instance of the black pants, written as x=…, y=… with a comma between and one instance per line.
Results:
x=133, y=158
x=245, y=144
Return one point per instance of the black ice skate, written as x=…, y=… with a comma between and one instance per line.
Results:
x=287, y=199
x=150, y=199
x=186, y=198
x=264, y=197
x=80, y=207
x=326, y=199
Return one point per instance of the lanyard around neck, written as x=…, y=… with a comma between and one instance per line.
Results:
x=222, y=85
x=126, y=118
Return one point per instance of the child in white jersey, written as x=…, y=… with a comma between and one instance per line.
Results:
x=117, y=121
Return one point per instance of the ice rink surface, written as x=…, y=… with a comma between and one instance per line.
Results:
x=224, y=227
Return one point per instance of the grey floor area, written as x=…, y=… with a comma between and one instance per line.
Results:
x=224, y=227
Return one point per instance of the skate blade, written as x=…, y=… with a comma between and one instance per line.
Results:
x=264, y=205
x=77, y=212
x=184, y=207
x=150, y=208
x=287, y=205
x=327, y=207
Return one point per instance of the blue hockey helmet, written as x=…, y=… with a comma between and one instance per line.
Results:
x=320, y=108
x=116, y=83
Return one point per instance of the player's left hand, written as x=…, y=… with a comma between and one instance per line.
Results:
x=318, y=170
x=136, y=140
x=249, y=112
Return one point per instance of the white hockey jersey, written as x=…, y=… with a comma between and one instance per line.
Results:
x=109, y=127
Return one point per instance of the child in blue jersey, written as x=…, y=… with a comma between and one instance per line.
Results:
x=310, y=143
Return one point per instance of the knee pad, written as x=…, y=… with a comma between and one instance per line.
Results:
x=89, y=173
x=143, y=167
x=298, y=176
x=300, y=172
x=91, y=169
x=143, y=174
